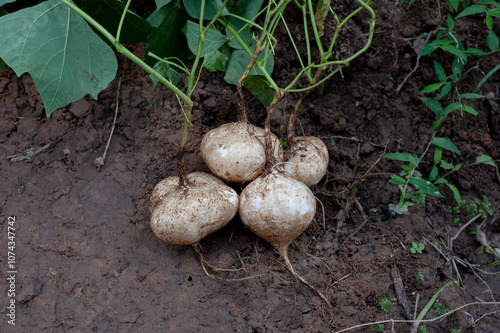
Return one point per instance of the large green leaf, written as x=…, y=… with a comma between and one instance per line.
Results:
x=260, y=88
x=471, y=10
x=168, y=40
x=212, y=7
x=108, y=14
x=3, y=2
x=59, y=50
x=247, y=9
x=213, y=39
x=238, y=62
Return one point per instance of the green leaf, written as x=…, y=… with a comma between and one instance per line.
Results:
x=476, y=52
x=488, y=160
x=438, y=154
x=396, y=180
x=168, y=72
x=431, y=87
x=489, y=2
x=246, y=9
x=436, y=123
x=440, y=72
x=489, y=22
x=193, y=7
x=456, y=194
x=59, y=50
x=454, y=4
x=445, y=144
x=445, y=90
x=109, y=12
x=471, y=10
x=402, y=157
x=486, y=77
x=432, y=46
x=425, y=186
x=244, y=32
x=251, y=9
x=213, y=39
x=3, y=65
x=495, y=12
x=161, y=3
x=470, y=96
x=260, y=88
x=3, y=2
x=470, y=110
x=450, y=22
x=434, y=106
x=492, y=41
x=159, y=14
x=452, y=107
x=455, y=51
x=168, y=34
x=213, y=61
x=434, y=173
x=441, y=181
x=238, y=62
x=445, y=165
x=457, y=68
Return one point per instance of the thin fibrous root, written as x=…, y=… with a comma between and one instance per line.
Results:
x=283, y=251
x=206, y=266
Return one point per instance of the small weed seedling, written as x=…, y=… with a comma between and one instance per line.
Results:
x=385, y=303
x=441, y=308
x=416, y=248
x=421, y=329
x=378, y=328
x=51, y=274
x=420, y=276
x=478, y=206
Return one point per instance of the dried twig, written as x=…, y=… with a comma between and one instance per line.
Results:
x=400, y=292
x=99, y=162
x=28, y=153
x=365, y=220
x=353, y=185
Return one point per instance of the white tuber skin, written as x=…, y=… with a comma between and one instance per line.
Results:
x=306, y=159
x=277, y=208
x=185, y=216
x=236, y=151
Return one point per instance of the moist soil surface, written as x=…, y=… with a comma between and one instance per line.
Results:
x=86, y=259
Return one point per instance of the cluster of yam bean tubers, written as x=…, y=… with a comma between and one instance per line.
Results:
x=277, y=205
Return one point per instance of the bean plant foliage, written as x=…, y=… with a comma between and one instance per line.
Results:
x=449, y=95
x=68, y=58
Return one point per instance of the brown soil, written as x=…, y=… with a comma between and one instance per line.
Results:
x=86, y=258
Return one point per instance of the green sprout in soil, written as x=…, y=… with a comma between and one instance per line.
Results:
x=420, y=276
x=442, y=309
x=378, y=328
x=416, y=248
x=385, y=303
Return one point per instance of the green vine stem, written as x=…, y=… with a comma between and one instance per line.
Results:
x=187, y=103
